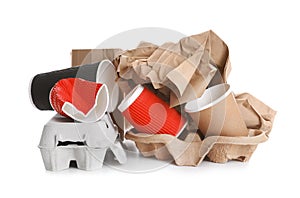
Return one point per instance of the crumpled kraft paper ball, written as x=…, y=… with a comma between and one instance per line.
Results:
x=186, y=67
x=191, y=151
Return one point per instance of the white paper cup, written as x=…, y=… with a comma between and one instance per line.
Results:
x=216, y=113
x=106, y=74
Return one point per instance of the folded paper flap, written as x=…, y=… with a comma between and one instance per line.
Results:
x=218, y=50
x=196, y=65
x=256, y=114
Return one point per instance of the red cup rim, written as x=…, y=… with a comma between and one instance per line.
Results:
x=130, y=98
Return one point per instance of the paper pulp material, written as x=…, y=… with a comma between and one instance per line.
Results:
x=192, y=150
x=63, y=141
x=216, y=113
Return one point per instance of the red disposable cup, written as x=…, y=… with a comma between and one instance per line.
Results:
x=82, y=100
x=147, y=113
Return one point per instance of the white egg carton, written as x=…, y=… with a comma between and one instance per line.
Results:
x=64, y=140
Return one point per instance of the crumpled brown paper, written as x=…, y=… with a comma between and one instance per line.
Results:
x=191, y=151
x=89, y=56
x=186, y=67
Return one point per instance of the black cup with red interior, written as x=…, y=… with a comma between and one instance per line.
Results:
x=41, y=84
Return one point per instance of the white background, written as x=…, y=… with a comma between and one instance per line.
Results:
x=263, y=38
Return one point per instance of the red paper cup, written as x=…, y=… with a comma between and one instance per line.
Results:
x=82, y=100
x=149, y=114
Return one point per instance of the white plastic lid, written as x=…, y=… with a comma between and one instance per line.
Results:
x=210, y=97
x=130, y=97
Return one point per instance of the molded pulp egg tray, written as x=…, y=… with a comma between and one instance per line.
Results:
x=64, y=140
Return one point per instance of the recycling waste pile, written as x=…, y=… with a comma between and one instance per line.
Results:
x=172, y=100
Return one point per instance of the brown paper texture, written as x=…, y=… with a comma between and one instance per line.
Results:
x=224, y=119
x=186, y=67
x=88, y=56
x=192, y=150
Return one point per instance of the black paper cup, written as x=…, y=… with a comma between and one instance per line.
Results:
x=42, y=84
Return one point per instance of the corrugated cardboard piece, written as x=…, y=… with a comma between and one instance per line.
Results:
x=191, y=151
